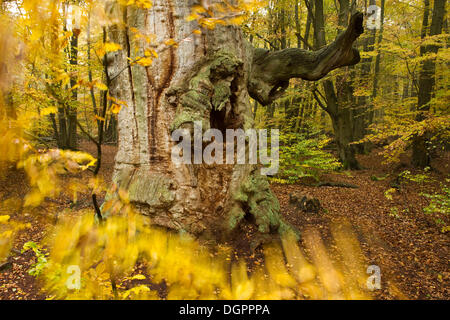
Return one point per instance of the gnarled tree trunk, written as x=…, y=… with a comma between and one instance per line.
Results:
x=209, y=78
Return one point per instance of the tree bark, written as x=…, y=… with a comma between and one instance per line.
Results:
x=421, y=153
x=272, y=70
x=378, y=58
x=339, y=100
x=363, y=110
x=208, y=79
x=66, y=134
x=72, y=117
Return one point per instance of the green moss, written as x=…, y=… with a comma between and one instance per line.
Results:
x=186, y=117
x=248, y=121
x=195, y=101
x=224, y=64
x=201, y=81
x=222, y=94
x=255, y=194
x=236, y=215
x=153, y=190
x=209, y=88
x=241, y=197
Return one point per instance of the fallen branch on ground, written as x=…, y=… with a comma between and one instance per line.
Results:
x=333, y=184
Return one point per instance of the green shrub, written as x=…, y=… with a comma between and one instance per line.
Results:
x=301, y=156
x=440, y=202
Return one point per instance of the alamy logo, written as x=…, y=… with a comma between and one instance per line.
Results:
x=235, y=145
x=74, y=280
x=374, y=19
x=374, y=281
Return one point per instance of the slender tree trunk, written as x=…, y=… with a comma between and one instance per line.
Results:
x=72, y=110
x=378, y=57
x=362, y=118
x=283, y=39
x=308, y=26
x=298, y=28
x=111, y=131
x=6, y=94
x=62, y=141
x=67, y=114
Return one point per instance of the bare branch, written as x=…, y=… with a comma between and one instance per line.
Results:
x=267, y=41
x=321, y=104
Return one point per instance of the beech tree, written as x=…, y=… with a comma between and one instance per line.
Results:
x=421, y=153
x=207, y=77
x=339, y=100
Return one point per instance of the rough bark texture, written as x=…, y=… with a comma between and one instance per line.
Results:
x=208, y=80
x=421, y=153
x=340, y=104
x=364, y=110
x=272, y=70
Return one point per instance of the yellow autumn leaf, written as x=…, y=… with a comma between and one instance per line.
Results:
x=117, y=101
x=47, y=111
x=99, y=118
x=111, y=47
x=151, y=52
x=62, y=77
x=192, y=17
x=124, y=196
x=101, y=86
x=144, y=4
x=4, y=219
x=33, y=199
x=170, y=42
x=115, y=108
x=237, y=20
x=242, y=286
x=145, y=62
x=198, y=9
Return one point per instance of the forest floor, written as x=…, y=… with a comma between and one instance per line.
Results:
x=408, y=245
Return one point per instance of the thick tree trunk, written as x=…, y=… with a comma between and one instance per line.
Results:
x=339, y=101
x=62, y=132
x=176, y=91
x=111, y=131
x=343, y=129
x=208, y=79
x=421, y=153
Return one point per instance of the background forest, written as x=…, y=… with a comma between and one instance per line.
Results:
x=364, y=158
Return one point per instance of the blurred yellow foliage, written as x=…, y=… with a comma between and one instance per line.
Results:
x=108, y=253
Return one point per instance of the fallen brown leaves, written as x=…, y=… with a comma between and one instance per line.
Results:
x=408, y=247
